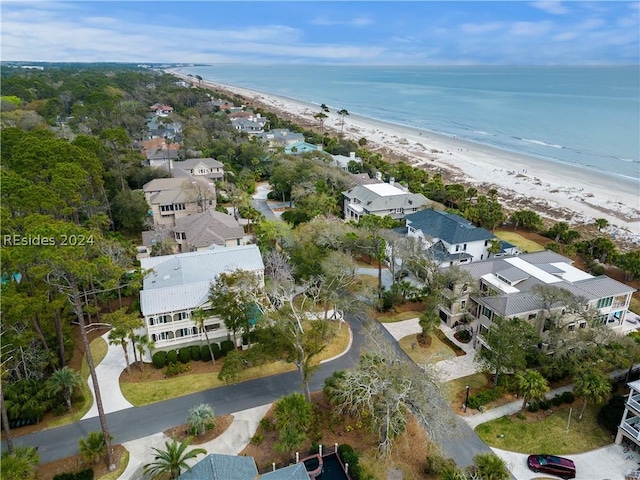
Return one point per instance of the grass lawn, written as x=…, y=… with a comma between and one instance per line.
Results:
x=435, y=352
x=519, y=241
x=454, y=388
x=155, y=390
x=547, y=435
x=635, y=305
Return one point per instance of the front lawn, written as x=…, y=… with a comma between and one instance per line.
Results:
x=456, y=390
x=436, y=352
x=524, y=244
x=142, y=388
x=542, y=433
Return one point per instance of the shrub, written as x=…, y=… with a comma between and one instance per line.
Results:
x=184, y=355
x=205, y=354
x=172, y=357
x=348, y=455
x=544, y=404
x=556, y=400
x=610, y=414
x=226, y=346
x=436, y=463
x=484, y=397
x=195, y=353
x=534, y=407
x=463, y=336
x=81, y=475
x=176, y=368
x=568, y=397
x=251, y=336
x=257, y=439
x=159, y=359
x=266, y=424
x=217, y=353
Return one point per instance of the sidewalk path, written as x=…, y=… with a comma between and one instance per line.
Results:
x=231, y=442
x=108, y=372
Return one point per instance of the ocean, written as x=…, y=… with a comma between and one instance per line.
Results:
x=587, y=117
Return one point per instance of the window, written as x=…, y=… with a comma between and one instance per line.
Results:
x=182, y=316
x=532, y=316
x=486, y=243
x=486, y=312
x=457, y=248
x=571, y=327
x=582, y=325
x=463, y=304
x=214, y=326
x=605, y=302
x=398, y=210
x=464, y=247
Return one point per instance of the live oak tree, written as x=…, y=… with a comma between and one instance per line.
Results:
x=509, y=342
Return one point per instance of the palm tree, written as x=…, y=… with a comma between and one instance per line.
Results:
x=120, y=336
x=64, y=381
x=173, y=459
x=495, y=246
x=531, y=386
x=601, y=223
x=144, y=343
x=22, y=464
x=93, y=447
x=592, y=386
x=324, y=108
x=293, y=415
x=488, y=466
x=199, y=418
x=343, y=113
x=198, y=316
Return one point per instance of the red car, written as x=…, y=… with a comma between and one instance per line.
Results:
x=562, y=467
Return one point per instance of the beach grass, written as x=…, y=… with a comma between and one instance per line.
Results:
x=547, y=434
x=524, y=244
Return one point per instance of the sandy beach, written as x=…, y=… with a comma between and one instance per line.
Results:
x=554, y=190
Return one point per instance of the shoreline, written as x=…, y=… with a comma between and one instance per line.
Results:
x=556, y=191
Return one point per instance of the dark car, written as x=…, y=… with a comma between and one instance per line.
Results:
x=562, y=467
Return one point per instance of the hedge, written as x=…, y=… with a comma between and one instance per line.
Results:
x=159, y=359
x=217, y=353
x=195, y=353
x=226, y=346
x=348, y=455
x=172, y=357
x=484, y=397
x=205, y=354
x=184, y=355
x=81, y=475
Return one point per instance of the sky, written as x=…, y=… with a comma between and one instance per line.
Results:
x=307, y=32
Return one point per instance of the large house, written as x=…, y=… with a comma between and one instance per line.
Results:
x=201, y=230
x=381, y=199
x=230, y=467
x=453, y=240
x=280, y=137
x=172, y=198
x=630, y=423
x=176, y=285
x=198, y=167
x=509, y=287
x=342, y=161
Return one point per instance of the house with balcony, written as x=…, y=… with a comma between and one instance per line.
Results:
x=381, y=199
x=630, y=423
x=202, y=230
x=176, y=285
x=172, y=198
x=208, y=168
x=251, y=123
x=280, y=138
x=342, y=161
x=450, y=239
x=300, y=147
x=506, y=287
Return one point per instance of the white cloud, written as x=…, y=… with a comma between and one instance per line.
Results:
x=479, y=28
x=530, y=28
x=552, y=7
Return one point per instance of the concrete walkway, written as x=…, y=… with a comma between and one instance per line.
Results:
x=108, y=372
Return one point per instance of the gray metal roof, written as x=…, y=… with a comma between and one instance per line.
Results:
x=513, y=304
x=372, y=201
x=181, y=281
x=209, y=228
x=449, y=227
x=222, y=467
x=513, y=274
x=191, y=163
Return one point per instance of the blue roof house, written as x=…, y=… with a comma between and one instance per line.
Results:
x=451, y=239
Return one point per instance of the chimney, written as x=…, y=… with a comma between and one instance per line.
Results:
x=378, y=176
x=392, y=180
x=352, y=155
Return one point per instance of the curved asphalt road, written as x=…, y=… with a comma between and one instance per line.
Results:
x=462, y=443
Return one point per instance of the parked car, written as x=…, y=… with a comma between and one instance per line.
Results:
x=562, y=467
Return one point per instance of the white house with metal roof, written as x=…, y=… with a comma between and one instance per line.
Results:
x=452, y=240
x=176, y=285
x=381, y=199
x=505, y=288
x=630, y=424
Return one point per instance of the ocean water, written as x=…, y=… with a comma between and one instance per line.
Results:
x=588, y=117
